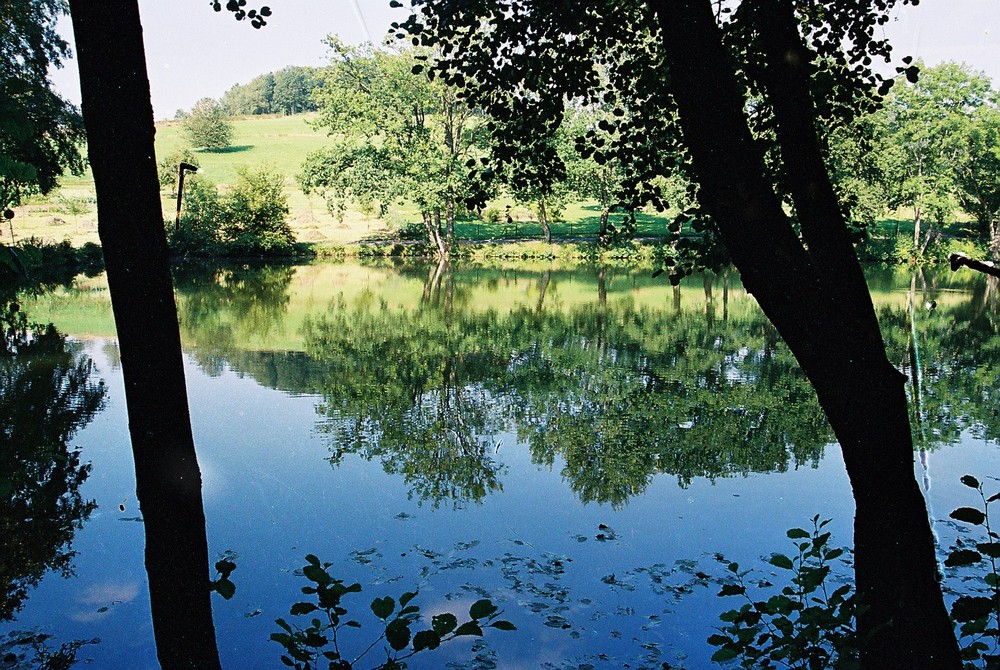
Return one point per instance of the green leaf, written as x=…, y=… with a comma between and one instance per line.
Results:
x=406, y=597
x=962, y=557
x=383, y=607
x=723, y=655
x=225, y=567
x=312, y=559
x=730, y=589
x=834, y=553
x=968, y=515
x=970, y=608
x=503, y=625
x=970, y=481
x=718, y=640
x=302, y=608
x=781, y=605
x=444, y=623
x=316, y=574
x=991, y=549
x=469, y=628
x=426, y=639
x=397, y=634
x=352, y=623
x=797, y=534
x=482, y=609
x=224, y=588
x=781, y=561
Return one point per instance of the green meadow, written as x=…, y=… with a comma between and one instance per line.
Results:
x=282, y=142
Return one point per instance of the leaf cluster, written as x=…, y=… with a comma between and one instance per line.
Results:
x=529, y=64
x=257, y=17
x=321, y=639
x=976, y=612
x=40, y=132
x=808, y=624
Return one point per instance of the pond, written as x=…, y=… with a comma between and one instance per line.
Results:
x=586, y=447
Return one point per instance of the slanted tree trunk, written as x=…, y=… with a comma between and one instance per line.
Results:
x=543, y=218
x=543, y=286
x=119, y=123
x=817, y=300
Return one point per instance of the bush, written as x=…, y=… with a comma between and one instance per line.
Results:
x=492, y=215
x=249, y=220
x=256, y=214
x=167, y=167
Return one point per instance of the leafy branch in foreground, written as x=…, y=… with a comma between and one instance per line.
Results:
x=806, y=625
x=974, y=562
x=322, y=638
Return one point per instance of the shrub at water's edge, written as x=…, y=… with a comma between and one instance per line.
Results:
x=250, y=219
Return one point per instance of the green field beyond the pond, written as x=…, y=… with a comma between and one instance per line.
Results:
x=282, y=143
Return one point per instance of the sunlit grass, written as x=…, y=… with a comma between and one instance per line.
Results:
x=282, y=142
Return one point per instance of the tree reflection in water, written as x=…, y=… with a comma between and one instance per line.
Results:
x=47, y=393
x=615, y=390
x=619, y=393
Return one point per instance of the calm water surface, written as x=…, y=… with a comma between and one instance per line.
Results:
x=579, y=445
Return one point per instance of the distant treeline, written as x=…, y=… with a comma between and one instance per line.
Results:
x=287, y=91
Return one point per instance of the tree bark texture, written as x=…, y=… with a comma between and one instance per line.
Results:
x=813, y=295
x=119, y=123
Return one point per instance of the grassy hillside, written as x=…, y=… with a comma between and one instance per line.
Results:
x=281, y=142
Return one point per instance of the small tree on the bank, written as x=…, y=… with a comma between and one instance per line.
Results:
x=207, y=126
x=400, y=133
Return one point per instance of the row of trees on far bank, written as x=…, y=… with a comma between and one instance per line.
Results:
x=929, y=152
x=940, y=139
x=287, y=91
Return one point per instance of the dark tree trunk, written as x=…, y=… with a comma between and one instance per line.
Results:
x=815, y=300
x=119, y=123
